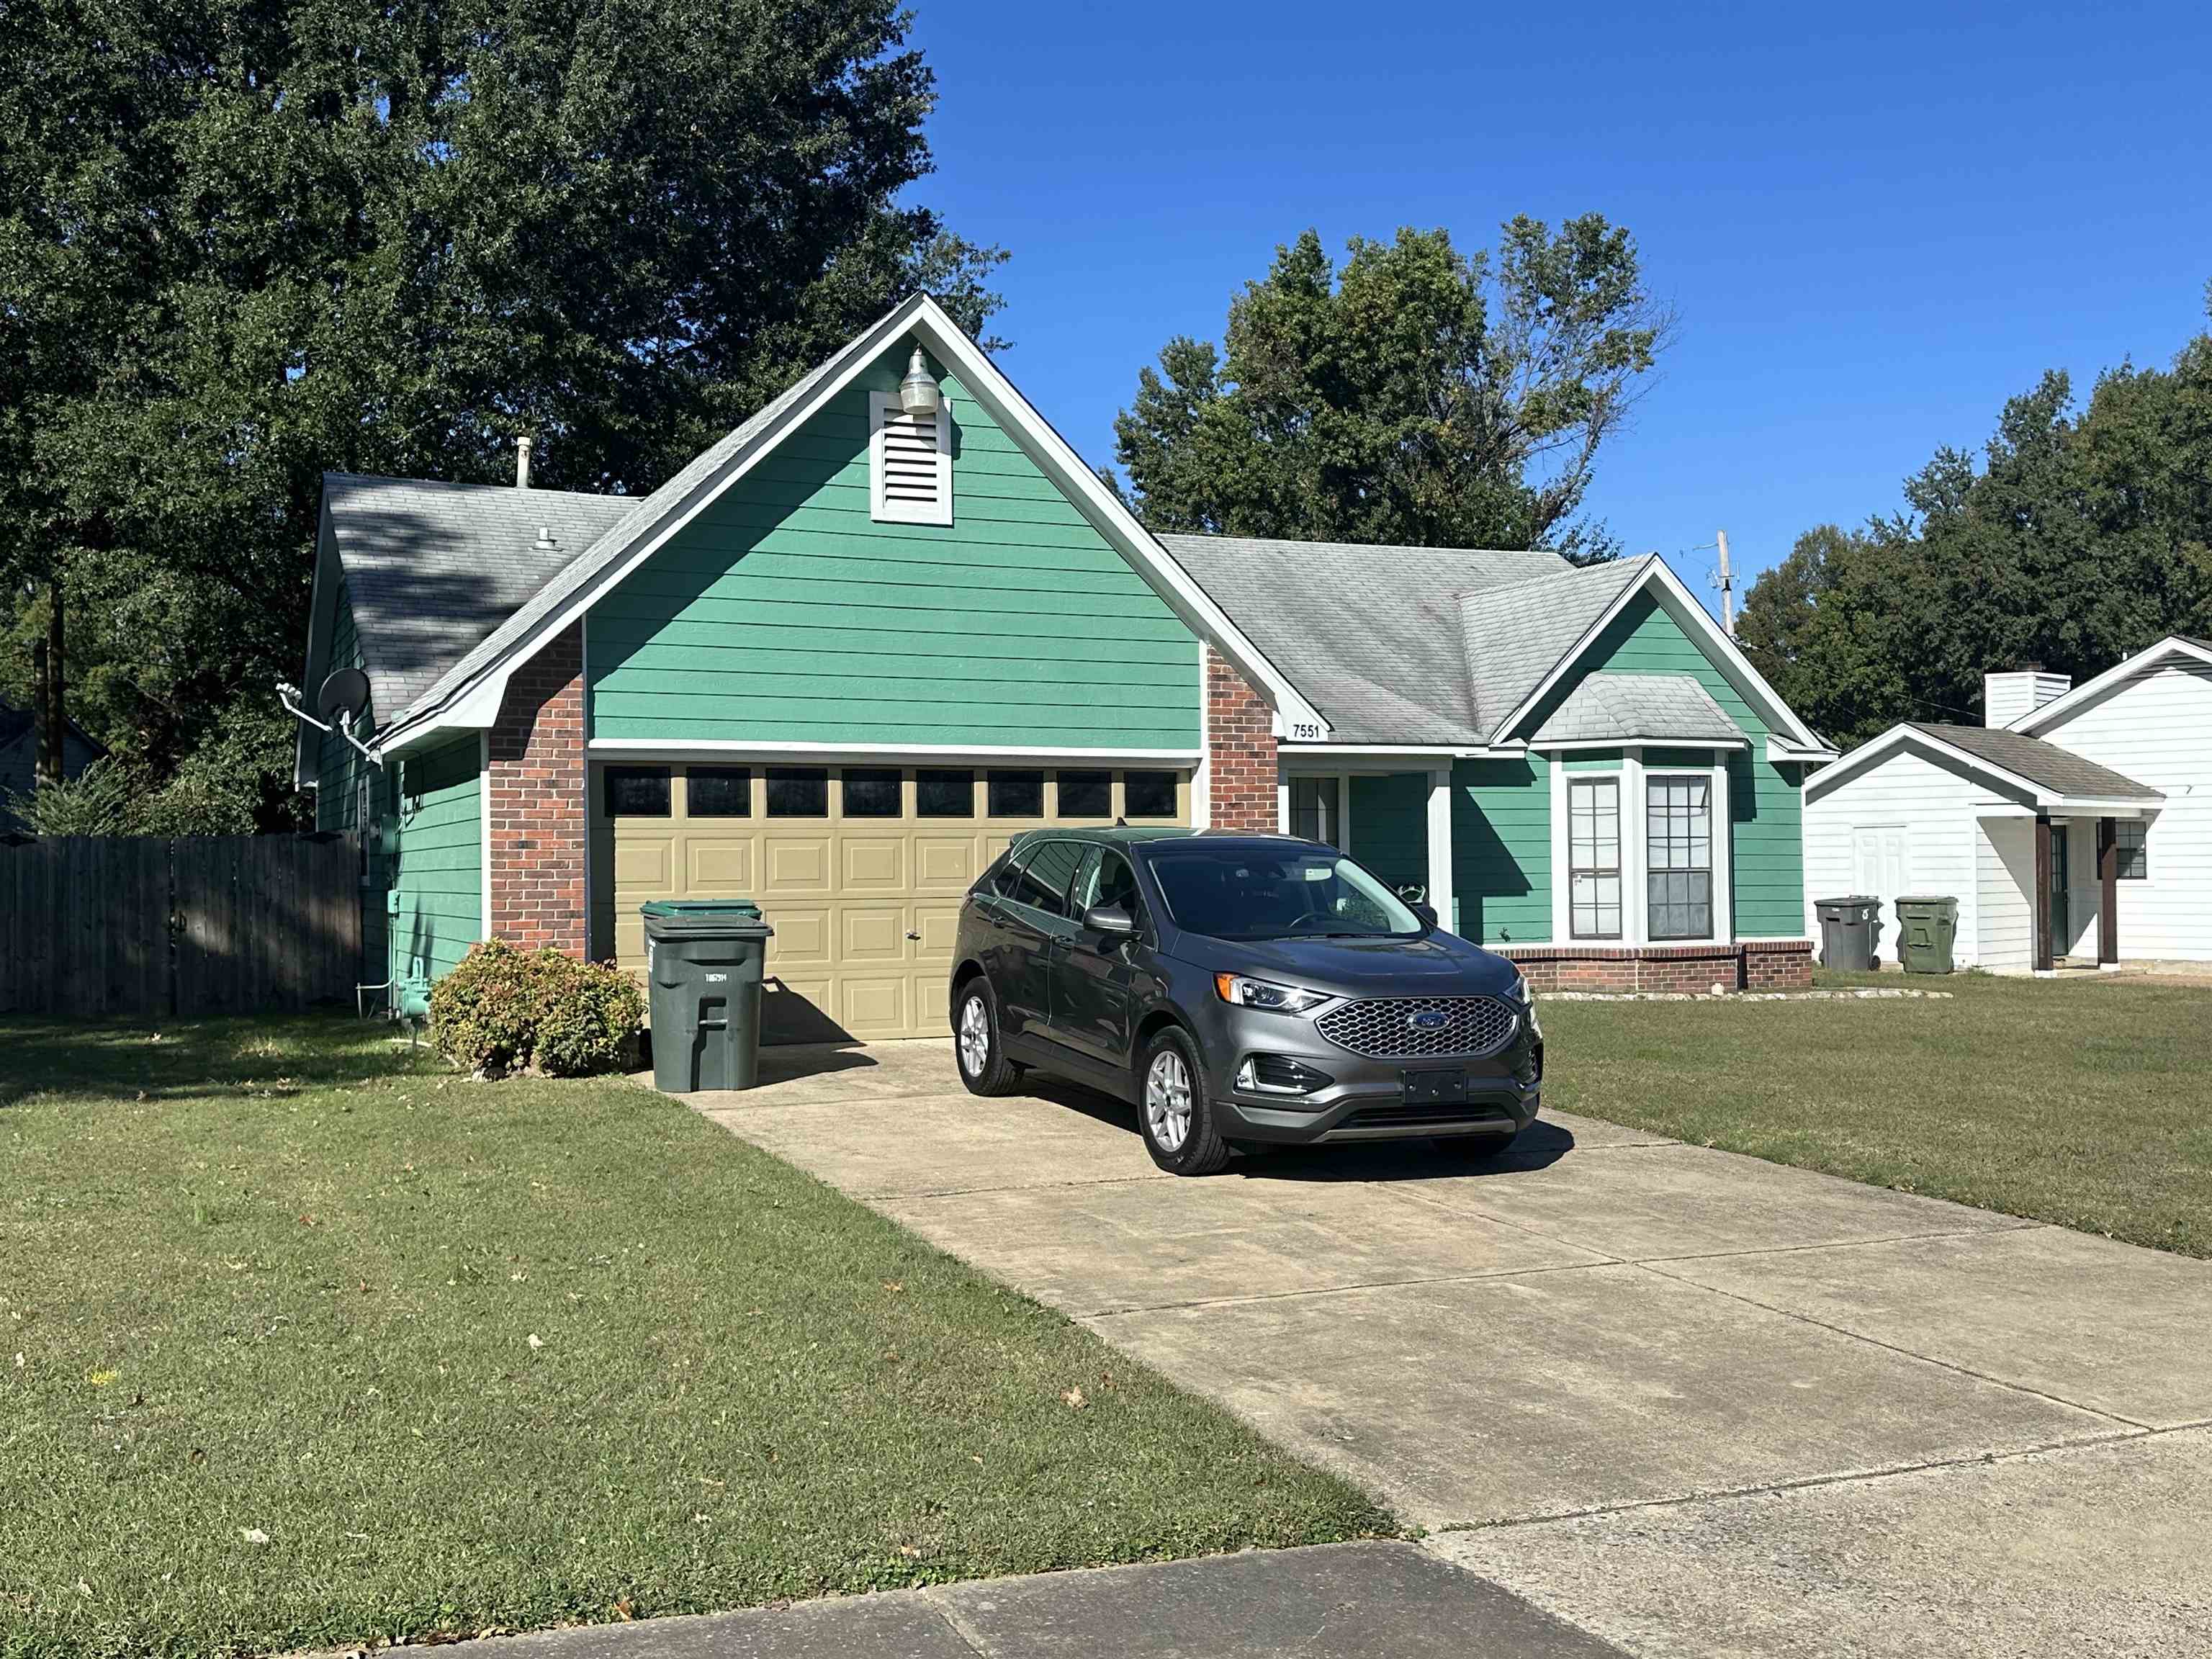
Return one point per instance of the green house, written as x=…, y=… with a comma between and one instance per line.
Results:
x=843, y=657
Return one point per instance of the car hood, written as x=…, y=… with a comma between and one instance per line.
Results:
x=1436, y=965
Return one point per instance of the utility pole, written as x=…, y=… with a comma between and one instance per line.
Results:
x=1727, y=590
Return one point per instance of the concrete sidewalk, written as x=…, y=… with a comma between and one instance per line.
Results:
x=1374, y=1601
x=1688, y=1401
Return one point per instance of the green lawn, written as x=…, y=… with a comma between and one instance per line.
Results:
x=2085, y=1102
x=321, y=1344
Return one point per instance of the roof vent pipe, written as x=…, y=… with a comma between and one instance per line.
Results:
x=522, y=462
x=545, y=543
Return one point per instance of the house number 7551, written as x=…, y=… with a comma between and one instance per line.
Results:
x=1305, y=729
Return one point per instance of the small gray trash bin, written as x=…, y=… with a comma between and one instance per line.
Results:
x=703, y=963
x=1848, y=927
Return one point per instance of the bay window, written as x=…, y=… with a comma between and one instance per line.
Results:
x=1593, y=857
x=1678, y=856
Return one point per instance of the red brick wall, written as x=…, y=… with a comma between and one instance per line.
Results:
x=536, y=784
x=1240, y=740
x=1784, y=965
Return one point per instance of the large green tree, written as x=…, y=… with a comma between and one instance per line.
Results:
x=1416, y=395
x=2078, y=538
x=245, y=242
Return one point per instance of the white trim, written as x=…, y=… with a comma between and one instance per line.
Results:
x=660, y=748
x=1876, y=749
x=1440, y=751
x=1282, y=802
x=1562, y=913
x=484, y=831
x=1562, y=876
x=921, y=317
x=1635, y=892
x=1201, y=777
x=882, y=406
x=1440, y=848
x=2091, y=691
x=1693, y=618
x=1785, y=753
x=1579, y=745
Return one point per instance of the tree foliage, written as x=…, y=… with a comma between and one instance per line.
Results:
x=2079, y=538
x=1417, y=395
x=245, y=241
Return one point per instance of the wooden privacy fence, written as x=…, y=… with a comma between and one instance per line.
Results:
x=103, y=926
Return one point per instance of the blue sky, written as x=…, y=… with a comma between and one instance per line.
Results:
x=1874, y=222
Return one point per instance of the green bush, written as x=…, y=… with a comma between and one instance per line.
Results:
x=505, y=1010
x=590, y=1022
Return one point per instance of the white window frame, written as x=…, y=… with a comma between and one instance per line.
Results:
x=1563, y=855
x=1636, y=900
x=2144, y=825
x=1653, y=780
x=882, y=407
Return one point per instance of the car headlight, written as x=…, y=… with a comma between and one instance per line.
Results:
x=1261, y=994
x=1521, y=992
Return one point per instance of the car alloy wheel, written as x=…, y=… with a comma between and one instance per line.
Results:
x=975, y=1036
x=1166, y=1100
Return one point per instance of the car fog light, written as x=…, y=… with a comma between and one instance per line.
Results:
x=1279, y=1074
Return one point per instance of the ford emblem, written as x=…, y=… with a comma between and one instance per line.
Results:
x=1429, y=1019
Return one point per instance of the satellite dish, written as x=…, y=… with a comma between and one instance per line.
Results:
x=344, y=694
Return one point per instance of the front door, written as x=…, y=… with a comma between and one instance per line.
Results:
x=2062, y=929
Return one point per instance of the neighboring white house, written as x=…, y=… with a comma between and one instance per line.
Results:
x=2042, y=828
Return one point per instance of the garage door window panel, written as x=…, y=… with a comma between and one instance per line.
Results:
x=871, y=792
x=1149, y=795
x=1016, y=794
x=636, y=791
x=800, y=792
x=941, y=793
x=1086, y=794
x=717, y=791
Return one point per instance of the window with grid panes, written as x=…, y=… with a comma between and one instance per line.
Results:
x=1593, y=858
x=1678, y=856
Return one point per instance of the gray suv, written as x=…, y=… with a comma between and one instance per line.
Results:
x=1240, y=991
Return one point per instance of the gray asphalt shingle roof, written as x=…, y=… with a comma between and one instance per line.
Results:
x=1373, y=636
x=2045, y=764
x=1516, y=635
x=1609, y=707
x=432, y=569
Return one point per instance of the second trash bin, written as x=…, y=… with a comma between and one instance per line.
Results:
x=1926, y=926
x=703, y=960
x=1848, y=926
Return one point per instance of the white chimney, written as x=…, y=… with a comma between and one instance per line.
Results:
x=522, y=462
x=2011, y=697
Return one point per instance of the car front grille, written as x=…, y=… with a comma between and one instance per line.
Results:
x=1384, y=1028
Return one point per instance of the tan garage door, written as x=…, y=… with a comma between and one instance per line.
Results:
x=859, y=869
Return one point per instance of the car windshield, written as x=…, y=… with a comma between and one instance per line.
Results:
x=1267, y=892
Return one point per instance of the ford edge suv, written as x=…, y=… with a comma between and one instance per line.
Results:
x=1240, y=991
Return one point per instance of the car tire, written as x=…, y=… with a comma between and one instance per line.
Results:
x=1174, y=1115
x=1472, y=1149
x=976, y=1047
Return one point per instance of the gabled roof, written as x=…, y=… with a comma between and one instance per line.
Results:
x=1370, y=634
x=432, y=569
x=467, y=694
x=1608, y=708
x=2052, y=777
x=1514, y=637
x=2183, y=648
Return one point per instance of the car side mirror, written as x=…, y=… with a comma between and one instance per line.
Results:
x=1111, y=920
x=1425, y=911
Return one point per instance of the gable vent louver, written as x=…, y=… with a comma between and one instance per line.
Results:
x=909, y=464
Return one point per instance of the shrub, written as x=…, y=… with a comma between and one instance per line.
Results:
x=502, y=1009
x=590, y=1022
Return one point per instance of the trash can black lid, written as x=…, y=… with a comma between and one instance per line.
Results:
x=1856, y=898
x=671, y=919
x=744, y=908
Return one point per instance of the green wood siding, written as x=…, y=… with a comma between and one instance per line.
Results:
x=1502, y=850
x=439, y=870
x=1766, y=832
x=1389, y=821
x=785, y=613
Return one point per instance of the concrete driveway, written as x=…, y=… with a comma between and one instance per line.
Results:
x=1692, y=1402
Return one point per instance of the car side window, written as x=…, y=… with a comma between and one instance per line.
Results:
x=1110, y=881
x=1005, y=881
x=1086, y=882
x=1044, y=882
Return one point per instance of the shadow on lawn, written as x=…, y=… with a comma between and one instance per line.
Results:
x=155, y=1060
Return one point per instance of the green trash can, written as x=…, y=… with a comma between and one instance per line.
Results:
x=703, y=961
x=1927, y=924
x=1848, y=927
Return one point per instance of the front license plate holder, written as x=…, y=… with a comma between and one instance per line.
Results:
x=1434, y=1088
